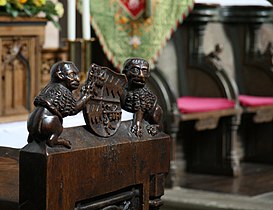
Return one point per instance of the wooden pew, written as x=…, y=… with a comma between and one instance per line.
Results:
x=96, y=172
x=105, y=164
x=208, y=136
x=254, y=77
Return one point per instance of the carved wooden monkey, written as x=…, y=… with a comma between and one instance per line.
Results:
x=54, y=103
x=137, y=98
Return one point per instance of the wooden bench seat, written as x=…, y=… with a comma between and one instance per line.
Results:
x=206, y=111
x=9, y=178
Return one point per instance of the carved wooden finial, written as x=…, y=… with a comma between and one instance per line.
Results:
x=102, y=96
x=138, y=99
x=54, y=103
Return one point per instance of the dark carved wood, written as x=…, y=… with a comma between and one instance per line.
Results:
x=100, y=173
x=103, y=113
x=253, y=75
x=124, y=171
x=55, y=102
x=138, y=99
x=115, y=172
x=209, y=139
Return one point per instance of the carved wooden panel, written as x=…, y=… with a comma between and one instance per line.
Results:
x=15, y=74
x=20, y=63
x=49, y=57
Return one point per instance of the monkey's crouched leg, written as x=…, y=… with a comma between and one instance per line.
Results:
x=59, y=141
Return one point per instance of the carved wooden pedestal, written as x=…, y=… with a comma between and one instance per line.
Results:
x=21, y=41
x=121, y=172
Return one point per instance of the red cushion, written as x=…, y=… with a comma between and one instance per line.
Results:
x=246, y=100
x=195, y=104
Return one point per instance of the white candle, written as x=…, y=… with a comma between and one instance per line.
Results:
x=86, y=33
x=71, y=14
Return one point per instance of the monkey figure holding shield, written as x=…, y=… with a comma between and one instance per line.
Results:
x=55, y=102
x=138, y=99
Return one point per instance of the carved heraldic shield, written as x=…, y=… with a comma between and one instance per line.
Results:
x=102, y=113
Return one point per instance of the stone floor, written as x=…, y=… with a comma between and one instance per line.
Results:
x=251, y=191
x=190, y=199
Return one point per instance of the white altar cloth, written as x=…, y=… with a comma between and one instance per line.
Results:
x=15, y=134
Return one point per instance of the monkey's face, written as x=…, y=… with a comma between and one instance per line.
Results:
x=137, y=74
x=71, y=76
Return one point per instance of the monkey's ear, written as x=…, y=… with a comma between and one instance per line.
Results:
x=60, y=75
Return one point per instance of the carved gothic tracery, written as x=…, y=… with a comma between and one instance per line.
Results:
x=16, y=76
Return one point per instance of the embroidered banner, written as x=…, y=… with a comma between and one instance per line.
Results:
x=134, y=8
x=136, y=28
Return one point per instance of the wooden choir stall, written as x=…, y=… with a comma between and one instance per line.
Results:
x=105, y=164
x=254, y=77
x=208, y=101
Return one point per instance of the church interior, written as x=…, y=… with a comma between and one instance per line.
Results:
x=170, y=107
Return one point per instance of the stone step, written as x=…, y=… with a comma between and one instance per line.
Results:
x=189, y=199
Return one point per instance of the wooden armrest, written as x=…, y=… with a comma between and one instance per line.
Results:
x=209, y=120
x=258, y=108
x=262, y=113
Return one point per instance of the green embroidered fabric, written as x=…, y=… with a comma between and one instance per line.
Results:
x=122, y=35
